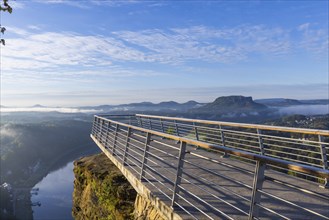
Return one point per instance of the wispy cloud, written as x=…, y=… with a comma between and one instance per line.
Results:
x=314, y=39
x=58, y=55
x=79, y=4
x=34, y=27
x=47, y=109
x=86, y=4
x=60, y=51
x=17, y=4
x=229, y=45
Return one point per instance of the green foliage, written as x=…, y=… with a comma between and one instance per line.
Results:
x=170, y=130
x=6, y=8
x=101, y=191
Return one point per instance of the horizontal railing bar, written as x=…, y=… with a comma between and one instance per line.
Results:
x=291, y=148
x=221, y=163
x=171, y=155
x=242, y=145
x=291, y=141
x=170, y=165
x=205, y=202
x=263, y=127
x=298, y=156
x=219, y=175
x=219, y=186
x=185, y=210
x=111, y=115
x=295, y=160
x=155, y=186
x=134, y=156
x=268, y=178
x=194, y=206
x=129, y=159
x=291, y=203
x=137, y=141
x=162, y=176
x=212, y=194
x=228, y=144
x=166, y=145
x=296, y=172
x=243, y=141
x=272, y=211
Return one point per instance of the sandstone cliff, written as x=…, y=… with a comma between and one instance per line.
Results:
x=102, y=192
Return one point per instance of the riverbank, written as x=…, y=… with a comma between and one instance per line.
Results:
x=22, y=191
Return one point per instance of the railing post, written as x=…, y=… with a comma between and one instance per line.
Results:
x=150, y=122
x=196, y=131
x=222, y=137
x=179, y=173
x=162, y=128
x=146, y=149
x=101, y=131
x=98, y=129
x=107, y=135
x=324, y=160
x=261, y=142
x=94, y=126
x=140, y=118
x=115, y=138
x=259, y=178
x=176, y=128
x=126, y=147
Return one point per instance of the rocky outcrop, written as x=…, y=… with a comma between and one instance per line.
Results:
x=227, y=104
x=144, y=210
x=102, y=192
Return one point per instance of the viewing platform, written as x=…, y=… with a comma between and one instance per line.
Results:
x=199, y=169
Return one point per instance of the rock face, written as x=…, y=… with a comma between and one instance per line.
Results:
x=144, y=210
x=102, y=192
x=230, y=104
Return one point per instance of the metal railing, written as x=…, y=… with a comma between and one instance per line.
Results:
x=179, y=159
x=305, y=146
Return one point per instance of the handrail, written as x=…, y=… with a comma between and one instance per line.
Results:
x=262, y=158
x=243, y=125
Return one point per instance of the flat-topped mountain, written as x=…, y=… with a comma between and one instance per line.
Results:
x=227, y=104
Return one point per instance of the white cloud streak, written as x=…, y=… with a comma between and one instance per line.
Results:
x=87, y=4
x=48, y=109
x=314, y=40
x=63, y=54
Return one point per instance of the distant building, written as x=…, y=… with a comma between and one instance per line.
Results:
x=6, y=186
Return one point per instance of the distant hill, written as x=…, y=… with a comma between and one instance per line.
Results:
x=315, y=102
x=231, y=104
x=38, y=106
x=149, y=106
x=279, y=102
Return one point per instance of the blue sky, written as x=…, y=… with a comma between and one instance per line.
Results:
x=91, y=52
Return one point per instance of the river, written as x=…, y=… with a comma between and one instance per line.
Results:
x=55, y=195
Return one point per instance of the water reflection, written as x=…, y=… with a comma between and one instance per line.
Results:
x=55, y=195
